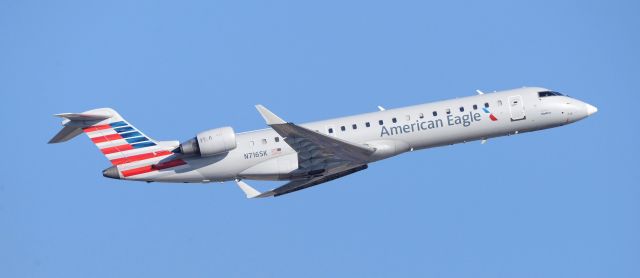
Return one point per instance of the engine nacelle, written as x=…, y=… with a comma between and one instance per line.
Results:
x=210, y=142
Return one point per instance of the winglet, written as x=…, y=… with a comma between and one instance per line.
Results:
x=248, y=190
x=479, y=92
x=268, y=116
x=251, y=192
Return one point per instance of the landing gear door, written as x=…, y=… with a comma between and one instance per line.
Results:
x=516, y=107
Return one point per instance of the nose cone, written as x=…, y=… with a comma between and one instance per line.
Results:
x=591, y=109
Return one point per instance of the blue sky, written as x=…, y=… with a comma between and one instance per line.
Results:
x=563, y=202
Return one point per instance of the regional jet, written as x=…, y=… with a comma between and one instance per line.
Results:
x=305, y=155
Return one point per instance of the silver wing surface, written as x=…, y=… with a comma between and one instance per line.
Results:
x=321, y=158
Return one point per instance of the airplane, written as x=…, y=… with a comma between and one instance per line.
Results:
x=313, y=153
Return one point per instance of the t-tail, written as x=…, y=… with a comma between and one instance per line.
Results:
x=133, y=154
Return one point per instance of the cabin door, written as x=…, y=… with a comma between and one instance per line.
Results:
x=516, y=107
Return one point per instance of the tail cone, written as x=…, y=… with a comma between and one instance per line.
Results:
x=111, y=172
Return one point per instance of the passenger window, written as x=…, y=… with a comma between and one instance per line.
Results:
x=421, y=116
x=548, y=94
x=448, y=111
x=435, y=113
x=354, y=126
x=367, y=124
x=461, y=109
x=394, y=120
x=486, y=104
x=264, y=141
x=343, y=128
x=277, y=139
x=475, y=107
x=330, y=130
x=380, y=122
x=407, y=117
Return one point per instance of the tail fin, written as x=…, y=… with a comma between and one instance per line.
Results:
x=118, y=140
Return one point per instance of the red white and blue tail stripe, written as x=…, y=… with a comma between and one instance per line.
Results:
x=119, y=141
x=133, y=153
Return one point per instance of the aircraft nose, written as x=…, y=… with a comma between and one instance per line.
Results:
x=591, y=109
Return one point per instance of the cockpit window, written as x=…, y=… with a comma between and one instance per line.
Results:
x=548, y=94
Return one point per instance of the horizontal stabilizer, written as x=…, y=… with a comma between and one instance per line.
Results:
x=65, y=134
x=74, y=122
x=83, y=117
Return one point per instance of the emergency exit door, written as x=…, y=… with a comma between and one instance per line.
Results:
x=516, y=107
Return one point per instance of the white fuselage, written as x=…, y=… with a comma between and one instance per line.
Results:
x=263, y=154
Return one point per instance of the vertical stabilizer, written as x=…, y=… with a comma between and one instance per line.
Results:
x=129, y=150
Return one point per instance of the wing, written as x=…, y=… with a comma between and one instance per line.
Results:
x=296, y=185
x=321, y=158
x=313, y=143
